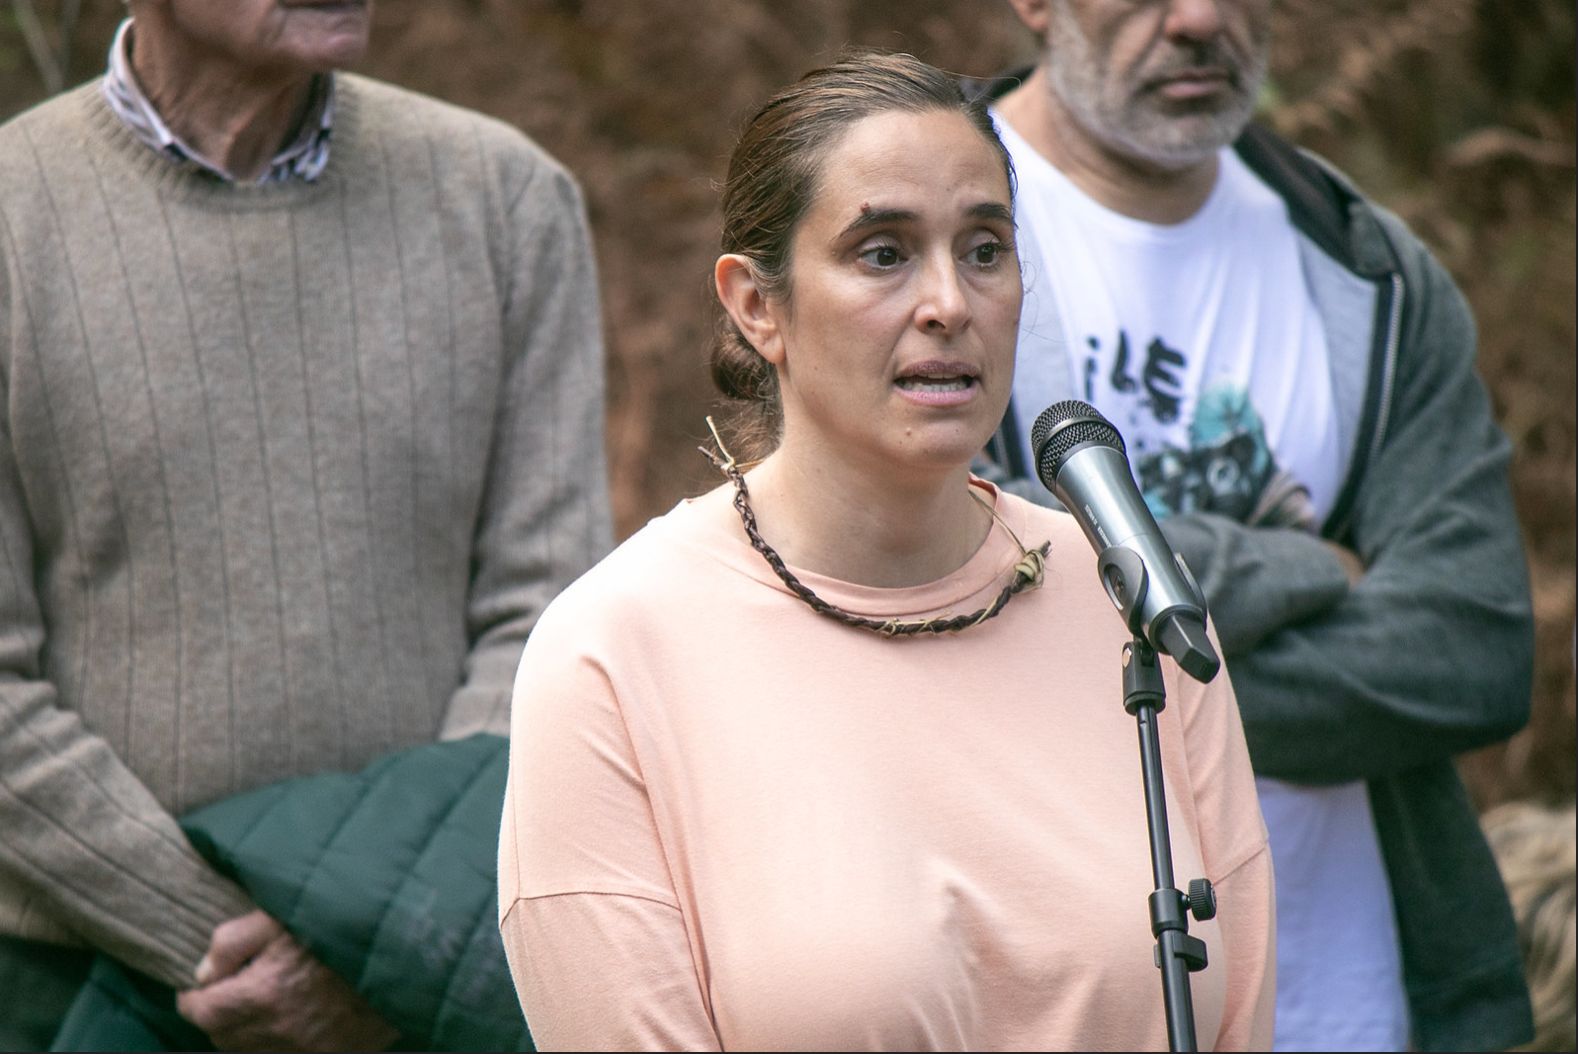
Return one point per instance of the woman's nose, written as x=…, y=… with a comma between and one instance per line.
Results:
x=943, y=306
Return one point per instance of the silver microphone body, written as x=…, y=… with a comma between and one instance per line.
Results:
x=1080, y=458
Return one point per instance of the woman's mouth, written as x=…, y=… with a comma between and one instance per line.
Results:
x=935, y=384
x=938, y=384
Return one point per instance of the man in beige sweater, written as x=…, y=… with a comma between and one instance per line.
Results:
x=300, y=429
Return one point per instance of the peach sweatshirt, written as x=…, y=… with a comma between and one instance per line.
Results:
x=734, y=823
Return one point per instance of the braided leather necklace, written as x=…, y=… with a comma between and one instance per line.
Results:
x=1029, y=572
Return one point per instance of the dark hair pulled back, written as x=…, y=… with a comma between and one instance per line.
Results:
x=773, y=176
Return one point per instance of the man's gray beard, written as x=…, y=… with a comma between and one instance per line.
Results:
x=1126, y=123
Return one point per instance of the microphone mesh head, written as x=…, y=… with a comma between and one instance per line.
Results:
x=1064, y=426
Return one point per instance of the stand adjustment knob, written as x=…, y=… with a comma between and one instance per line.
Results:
x=1202, y=899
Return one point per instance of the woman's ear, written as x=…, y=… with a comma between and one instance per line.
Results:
x=742, y=297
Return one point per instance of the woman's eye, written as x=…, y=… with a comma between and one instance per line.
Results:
x=881, y=256
x=987, y=253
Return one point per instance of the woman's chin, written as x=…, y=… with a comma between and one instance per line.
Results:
x=940, y=450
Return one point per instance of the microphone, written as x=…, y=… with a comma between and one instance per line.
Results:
x=1080, y=458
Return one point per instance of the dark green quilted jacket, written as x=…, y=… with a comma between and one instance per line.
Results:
x=387, y=875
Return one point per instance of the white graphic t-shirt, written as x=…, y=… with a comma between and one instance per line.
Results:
x=1201, y=343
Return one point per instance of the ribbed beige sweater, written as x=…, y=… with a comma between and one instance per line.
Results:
x=286, y=475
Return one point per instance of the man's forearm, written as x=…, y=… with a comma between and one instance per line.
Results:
x=1256, y=580
x=87, y=841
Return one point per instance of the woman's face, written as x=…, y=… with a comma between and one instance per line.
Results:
x=895, y=344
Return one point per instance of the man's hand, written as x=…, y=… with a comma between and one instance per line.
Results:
x=1351, y=564
x=260, y=990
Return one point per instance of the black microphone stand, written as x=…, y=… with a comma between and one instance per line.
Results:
x=1119, y=526
x=1177, y=953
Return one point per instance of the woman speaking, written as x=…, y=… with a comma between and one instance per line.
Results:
x=834, y=756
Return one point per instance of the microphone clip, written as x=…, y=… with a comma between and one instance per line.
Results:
x=1178, y=631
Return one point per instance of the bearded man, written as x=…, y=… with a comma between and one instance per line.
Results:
x=301, y=429
x=1294, y=376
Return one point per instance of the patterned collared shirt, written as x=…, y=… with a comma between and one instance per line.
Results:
x=303, y=159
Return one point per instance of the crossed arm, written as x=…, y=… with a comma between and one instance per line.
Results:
x=1408, y=639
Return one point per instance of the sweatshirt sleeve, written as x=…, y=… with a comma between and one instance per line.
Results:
x=604, y=972
x=1431, y=653
x=589, y=917
x=1249, y=940
x=85, y=849
x=545, y=514
x=1237, y=859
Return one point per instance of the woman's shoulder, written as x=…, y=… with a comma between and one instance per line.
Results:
x=1038, y=523
x=657, y=572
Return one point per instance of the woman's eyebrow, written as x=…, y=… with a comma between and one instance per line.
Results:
x=992, y=210
x=870, y=217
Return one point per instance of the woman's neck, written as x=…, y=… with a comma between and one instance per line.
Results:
x=867, y=528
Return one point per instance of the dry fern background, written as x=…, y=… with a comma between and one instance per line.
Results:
x=1458, y=114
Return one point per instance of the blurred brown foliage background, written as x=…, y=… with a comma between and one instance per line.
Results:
x=1458, y=114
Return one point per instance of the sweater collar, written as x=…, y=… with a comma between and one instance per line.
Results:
x=303, y=158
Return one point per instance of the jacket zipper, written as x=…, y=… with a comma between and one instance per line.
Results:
x=1394, y=325
x=1393, y=335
